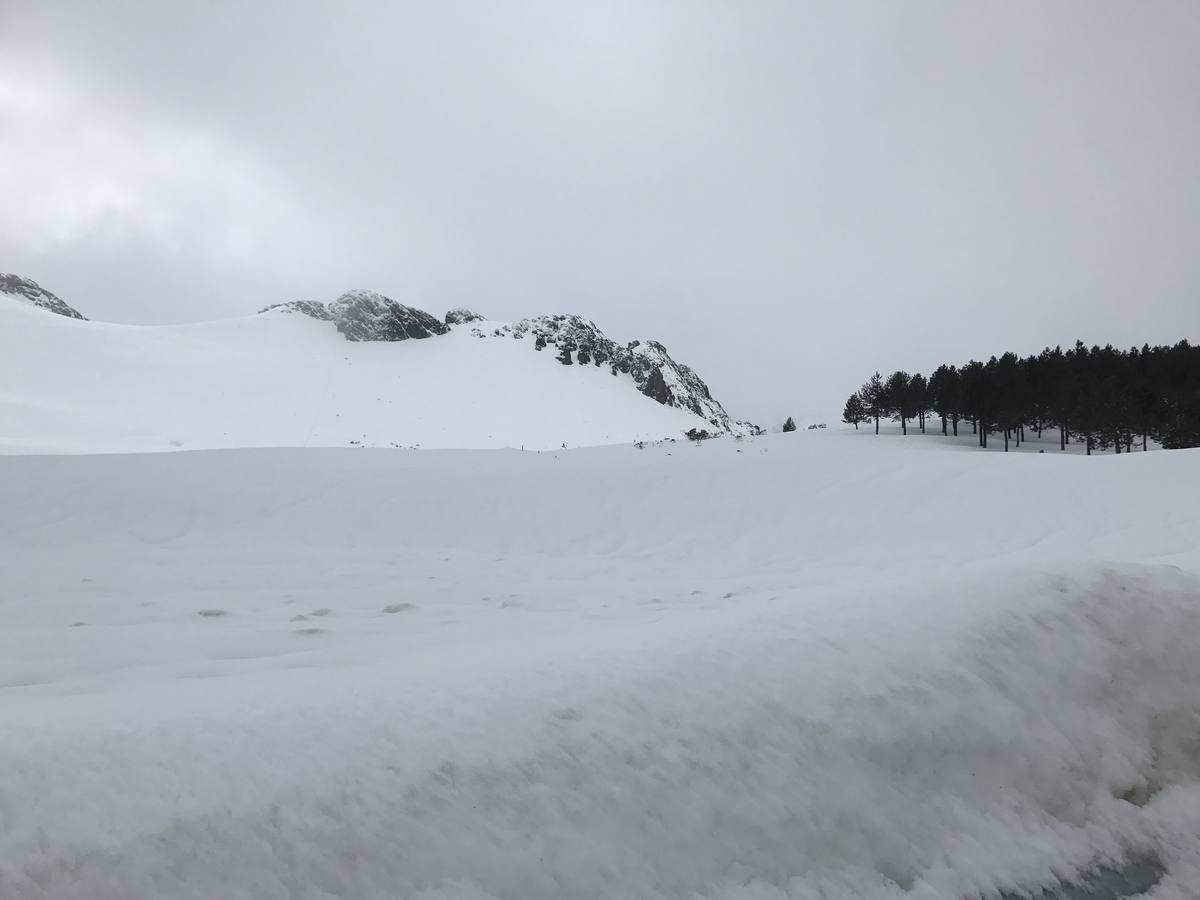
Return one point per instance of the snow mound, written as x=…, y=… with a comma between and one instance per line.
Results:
x=779, y=667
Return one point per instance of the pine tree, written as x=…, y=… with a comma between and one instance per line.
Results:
x=872, y=394
x=789, y=425
x=855, y=411
x=898, y=399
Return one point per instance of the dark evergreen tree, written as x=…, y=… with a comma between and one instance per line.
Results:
x=872, y=394
x=855, y=411
x=918, y=392
x=945, y=395
x=897, y=398
x=789, y=425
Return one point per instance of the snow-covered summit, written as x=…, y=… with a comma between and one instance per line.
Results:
x=368, y=316
x=26, y=290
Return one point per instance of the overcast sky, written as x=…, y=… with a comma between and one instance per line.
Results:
x=788, y=195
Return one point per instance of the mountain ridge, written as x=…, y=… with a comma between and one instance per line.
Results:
x=362, y=315
x=283, y=378
x=29, y=291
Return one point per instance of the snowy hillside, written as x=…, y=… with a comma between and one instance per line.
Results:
x=818, y=665
x=276, y=379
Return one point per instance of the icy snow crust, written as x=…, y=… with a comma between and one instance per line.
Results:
x=69, y=386
x=827, y=665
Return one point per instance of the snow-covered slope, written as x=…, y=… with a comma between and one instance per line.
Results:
x=817, y=665
x=290, y=380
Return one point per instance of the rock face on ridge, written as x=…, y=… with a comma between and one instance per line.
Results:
x=369, y=316
x=29, y=291
x=462, y=315
x=580, y=341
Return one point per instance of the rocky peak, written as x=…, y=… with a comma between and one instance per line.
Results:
x=29, y=291
x=462, y=315
x=580, y=341
x=368, y=316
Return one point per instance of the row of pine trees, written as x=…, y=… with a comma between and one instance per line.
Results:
x=1103, y=397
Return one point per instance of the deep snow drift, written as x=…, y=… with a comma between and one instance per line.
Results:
x=271, y=380
x=810, y=665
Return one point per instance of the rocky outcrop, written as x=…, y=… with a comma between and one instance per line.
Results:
x=577, y=340
x=29, y=291
x=314, y=308
x=368, y=316
x=461, y=316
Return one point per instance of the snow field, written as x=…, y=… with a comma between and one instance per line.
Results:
x=810, y=665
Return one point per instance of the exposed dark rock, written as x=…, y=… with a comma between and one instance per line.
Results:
x=28, y=290
x=368, y=316
x=648, y=363
x=656, y=388
x=313, y=308
x=461, y=316
x=790, y=424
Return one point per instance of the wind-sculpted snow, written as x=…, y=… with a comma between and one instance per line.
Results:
x=801, y=666
x=28, y=291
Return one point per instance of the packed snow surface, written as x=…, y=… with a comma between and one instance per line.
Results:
x=279, y=379
x=818, y=665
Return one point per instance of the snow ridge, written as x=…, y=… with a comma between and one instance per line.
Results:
x=29, y=291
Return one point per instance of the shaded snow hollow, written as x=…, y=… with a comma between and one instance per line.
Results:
x=802, y=666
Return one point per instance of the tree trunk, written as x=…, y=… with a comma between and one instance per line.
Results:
x=903, y=425
x=877, y=424
x=943, y=426
x=1143, y=442
x=1062, y=437
x=1089, y=445
x=1005, y=440
x=954, y=421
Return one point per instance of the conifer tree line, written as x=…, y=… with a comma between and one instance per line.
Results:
x=1100, y=396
